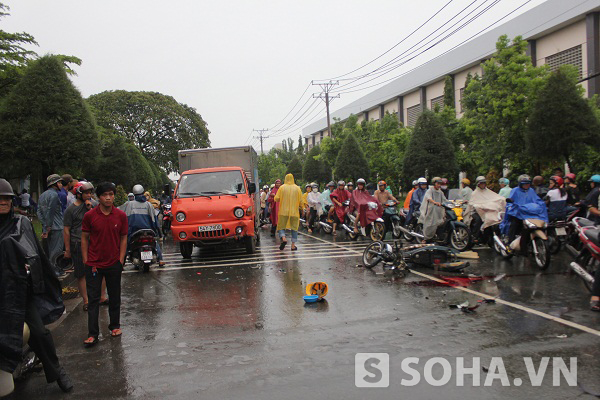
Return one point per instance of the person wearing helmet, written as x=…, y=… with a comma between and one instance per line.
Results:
x=326, y=202
x=263, y=202
x=466, y=191
x=350, y=187
x=131, y=197
x=432, y=213
x=31, y=294
x=445, y=188
x=72, y=234
x=366, y=206
x=539, y=186
x=572, y=189
x=142, y=215
x=417, y=198
x=103, y=249
x=525, y=204
x=338, y=197
x=382, y=194
x=50, y=215
x=314, y=204
x=504, y=187
x=415, y=185
x=304, y=204
x=484, y=208
x=591, y=200
x=556, y=199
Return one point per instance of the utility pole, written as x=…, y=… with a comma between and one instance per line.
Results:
x=326, y=88
x=261, y=137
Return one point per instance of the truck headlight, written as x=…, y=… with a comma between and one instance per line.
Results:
x=238, y=212
x=180, y=217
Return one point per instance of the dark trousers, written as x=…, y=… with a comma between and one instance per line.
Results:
x=41, y=342
x=516, y=225
x=596, y=287
x=93, y=283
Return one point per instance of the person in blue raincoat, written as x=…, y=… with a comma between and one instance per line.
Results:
x=525, y=204
x=417, y=198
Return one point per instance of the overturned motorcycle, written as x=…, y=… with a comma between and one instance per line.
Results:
x=399, y=259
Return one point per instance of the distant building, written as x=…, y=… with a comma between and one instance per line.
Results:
x=558, y=32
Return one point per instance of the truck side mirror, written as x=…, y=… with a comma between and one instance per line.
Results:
x=252, y=188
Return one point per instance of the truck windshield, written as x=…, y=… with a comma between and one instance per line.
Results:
x=211, y=184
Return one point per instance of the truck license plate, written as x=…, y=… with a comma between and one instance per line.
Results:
x=146, y=255
x=561, y=231
x=208, y=228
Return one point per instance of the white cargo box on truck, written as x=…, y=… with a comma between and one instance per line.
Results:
x=244, y=157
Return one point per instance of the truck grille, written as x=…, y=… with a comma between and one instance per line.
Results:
x=211, y=234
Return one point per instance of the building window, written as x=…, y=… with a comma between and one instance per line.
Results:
x=439, y=101
x=570, y=56
x=321, y=136
x=412, y=114
x=462, y=94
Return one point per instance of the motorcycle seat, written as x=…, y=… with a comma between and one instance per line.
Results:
x=584, y=222
x=593, y=235
x=142, y=232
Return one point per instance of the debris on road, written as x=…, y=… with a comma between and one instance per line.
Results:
x=464, y=307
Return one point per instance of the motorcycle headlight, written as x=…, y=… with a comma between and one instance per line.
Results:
x=180, y=217
x=238, y=212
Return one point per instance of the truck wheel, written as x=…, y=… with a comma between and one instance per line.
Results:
x=186, y=249
x=250, y=242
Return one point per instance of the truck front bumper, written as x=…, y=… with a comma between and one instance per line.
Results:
x=231, y=230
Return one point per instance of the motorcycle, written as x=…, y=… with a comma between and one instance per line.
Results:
x=315, y=224
x=393, y=220
x=141, y=249
x=587, y=258
x=557, y=235
x=533, y=240
x=375, y=230
x=452, y=232
x=490, y=236
x=399, y=259
x=324, y=222
x=412, y=231
x=167, y=218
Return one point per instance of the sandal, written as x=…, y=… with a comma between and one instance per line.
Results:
x=91, y=341
x=85, y=307
x=116, y=332
x=104, y=303
x=294, y=248
x=595, y=305
x=282, y=245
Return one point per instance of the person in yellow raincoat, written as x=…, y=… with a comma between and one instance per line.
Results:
x=289, y=197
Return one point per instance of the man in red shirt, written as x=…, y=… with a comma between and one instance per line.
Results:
x=103, y=248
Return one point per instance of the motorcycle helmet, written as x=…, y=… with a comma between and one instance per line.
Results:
x=422, y=181
x=571, y=177
x=5, y=188
x=361, y=180
x=436, y=180
x=415, y=182
x=265, y=187
x=465, y=181
x=341, y=183
x=131, y=196
x=595, y=179
x=53, y=179
x=331, y=184
x=138, y=189
x=524, y=179
x=504, y=181
x=480, y=179
x=84, y=186
x=557, y=179
x=314, y=185
x=381, y=183
x=272, y=185
x=350, y=184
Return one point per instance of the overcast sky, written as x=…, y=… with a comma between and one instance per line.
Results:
x=241, y=64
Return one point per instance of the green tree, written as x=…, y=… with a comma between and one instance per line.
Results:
x=449, y=92
x=499, y=103
x=314, y=169
x=351, y=162
x=300, y=148
x=430, y=151
x=156, y=123
x=45, y=125
x=295, y=168
x=561, y=120
x=270, y=167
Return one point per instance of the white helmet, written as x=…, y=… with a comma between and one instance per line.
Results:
x=422, y=181
x=138, y=189
x=415, y=182
x=361, y=180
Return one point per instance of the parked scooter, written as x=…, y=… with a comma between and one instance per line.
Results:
x=375, y=230
x=141, y=249
x=587, y=258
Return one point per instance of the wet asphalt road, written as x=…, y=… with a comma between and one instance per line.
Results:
x=231, y=326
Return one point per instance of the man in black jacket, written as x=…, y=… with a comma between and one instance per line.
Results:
x=31, y=294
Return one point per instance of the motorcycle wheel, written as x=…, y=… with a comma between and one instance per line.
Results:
x=186, y=249
x=371, y=255
x=408, y=237
x=396, y=232
x=554, y=243
x=146, y=267
x=327, y=229
x=378, y=231
x=464, y=239
x=542, y=258
x=352, y=235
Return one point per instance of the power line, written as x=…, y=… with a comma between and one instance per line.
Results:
x=261, y=136
x=324, y=95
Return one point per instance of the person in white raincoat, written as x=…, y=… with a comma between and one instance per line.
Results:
x=486, y=203
x=314, y=204
x=432, y=212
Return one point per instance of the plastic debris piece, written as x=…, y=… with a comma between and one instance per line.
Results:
x=497, y=278
x=563, y=336
x=464, y=307
x=218, y=273
x=488, y=301
x=198, y=273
